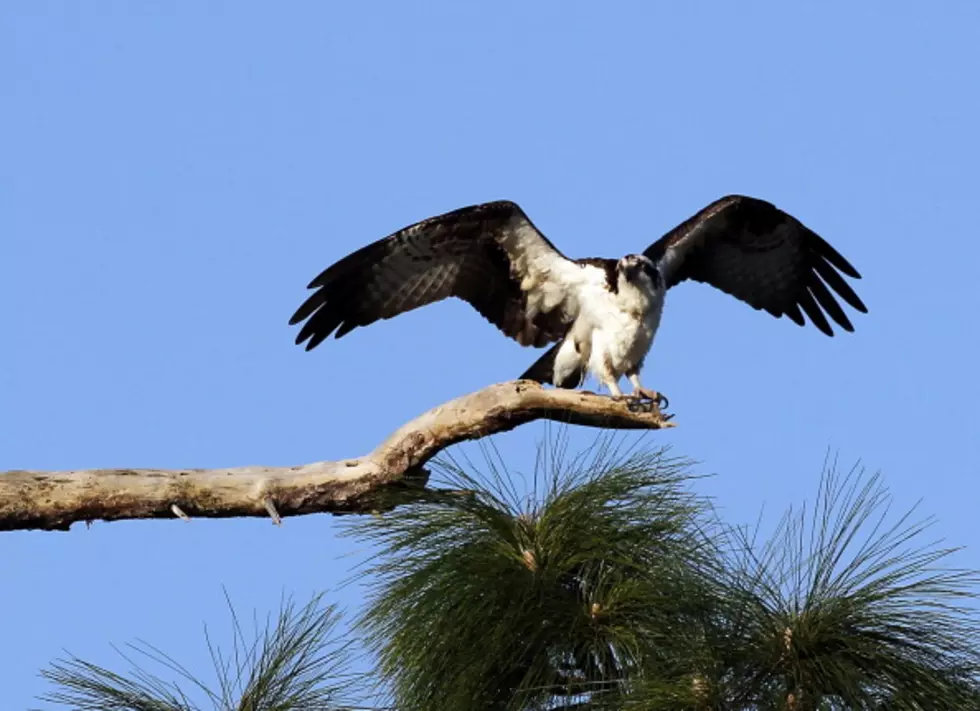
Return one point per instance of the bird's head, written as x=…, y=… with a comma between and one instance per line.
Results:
x=640, y=270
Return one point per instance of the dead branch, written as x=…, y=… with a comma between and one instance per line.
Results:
x=375, y=482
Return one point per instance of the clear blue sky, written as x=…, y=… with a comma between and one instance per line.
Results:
x=174, y=174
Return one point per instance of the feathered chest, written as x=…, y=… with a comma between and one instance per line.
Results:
x=620, y=324
x=631, y=331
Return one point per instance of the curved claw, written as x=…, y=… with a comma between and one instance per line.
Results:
x=635, y=404
x=659, y=398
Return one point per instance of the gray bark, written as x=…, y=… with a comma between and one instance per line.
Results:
x=374, y=482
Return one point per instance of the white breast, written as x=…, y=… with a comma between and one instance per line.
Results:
x=620, y=327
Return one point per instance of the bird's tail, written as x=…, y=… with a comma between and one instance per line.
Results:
x=543, y=370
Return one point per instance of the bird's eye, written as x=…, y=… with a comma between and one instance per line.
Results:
x=652, y=272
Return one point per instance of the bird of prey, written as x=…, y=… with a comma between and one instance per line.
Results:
x=600, y=314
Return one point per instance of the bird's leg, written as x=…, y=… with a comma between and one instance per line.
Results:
x=641, y=392
x=606, y=378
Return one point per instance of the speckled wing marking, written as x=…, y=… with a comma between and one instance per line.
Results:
x=489, y=255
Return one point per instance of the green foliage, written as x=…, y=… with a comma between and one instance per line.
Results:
x=610, y=590
x=485, y=601
x=612, y=587
x=292, y=665
x=846, y=607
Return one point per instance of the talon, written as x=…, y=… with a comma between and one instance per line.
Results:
x=635, y=404
x=659, y=398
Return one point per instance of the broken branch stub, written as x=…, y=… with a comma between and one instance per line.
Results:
x=375, y=482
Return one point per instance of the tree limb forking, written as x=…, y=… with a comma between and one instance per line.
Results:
x=55, y=500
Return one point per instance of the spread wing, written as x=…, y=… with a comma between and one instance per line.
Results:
x=759, y=254
x=489, y=255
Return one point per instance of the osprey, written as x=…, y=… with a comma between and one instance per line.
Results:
x=601, y=314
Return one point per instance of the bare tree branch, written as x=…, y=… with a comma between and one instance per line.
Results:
x=375, y=482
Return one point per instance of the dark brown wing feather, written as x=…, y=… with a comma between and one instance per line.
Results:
x=761, y=255
x=460, y=253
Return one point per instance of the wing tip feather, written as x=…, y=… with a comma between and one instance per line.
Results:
x=813, y=258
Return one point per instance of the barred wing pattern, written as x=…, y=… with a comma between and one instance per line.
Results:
x=490, y=255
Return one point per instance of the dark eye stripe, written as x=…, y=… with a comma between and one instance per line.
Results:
x=652, y=272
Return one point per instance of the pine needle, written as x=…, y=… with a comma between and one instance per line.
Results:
x=292, y=664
